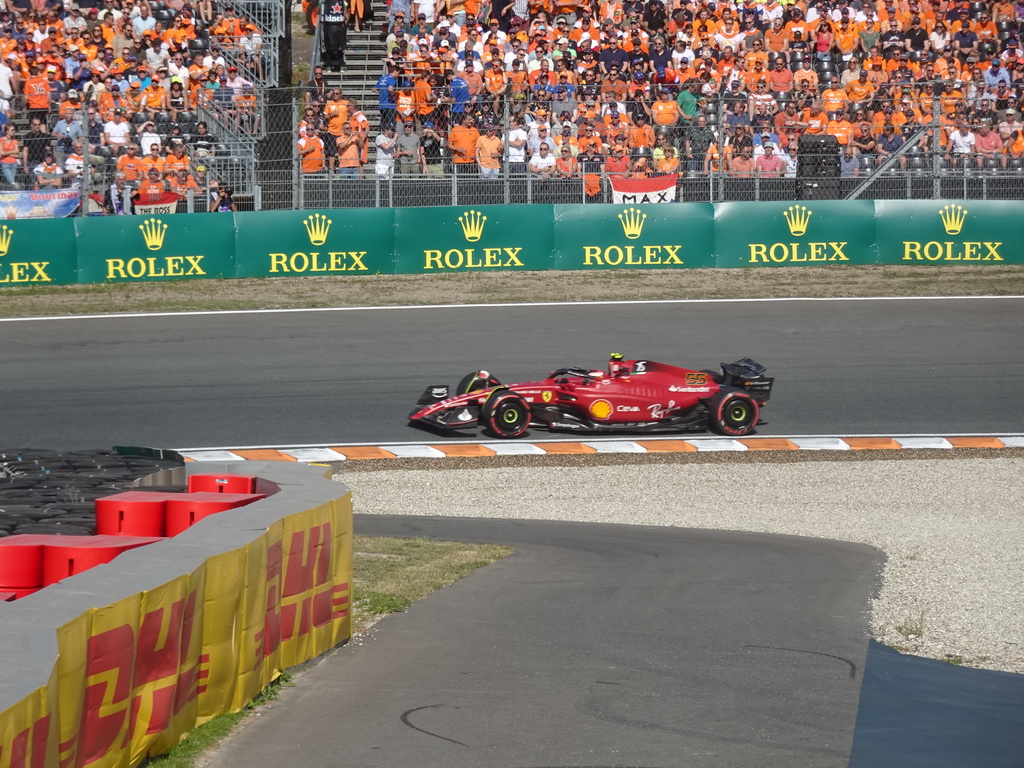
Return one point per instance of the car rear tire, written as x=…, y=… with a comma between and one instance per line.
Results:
x=471, y=382
x=733, y=414
x=505, y=414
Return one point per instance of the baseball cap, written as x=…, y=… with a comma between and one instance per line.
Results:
x=428, y=124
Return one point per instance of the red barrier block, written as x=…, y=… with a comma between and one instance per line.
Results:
x=75, y=554
x=21, y=561
x=132, y=513
x=222, y=484
x=186, y=509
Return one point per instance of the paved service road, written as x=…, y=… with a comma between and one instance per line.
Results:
x=301, y=378
x=594, y=645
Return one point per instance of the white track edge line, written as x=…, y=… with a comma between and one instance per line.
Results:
x=203, y=313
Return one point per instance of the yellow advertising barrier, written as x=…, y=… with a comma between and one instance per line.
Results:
x=132, y=678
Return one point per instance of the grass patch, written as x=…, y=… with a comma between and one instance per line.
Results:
x=212, y=733
x=504, y=287
x=911, y=627
x=390, y=574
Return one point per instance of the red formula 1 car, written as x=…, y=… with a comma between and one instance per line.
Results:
x=632, y=396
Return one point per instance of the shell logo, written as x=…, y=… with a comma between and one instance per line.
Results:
x=600, y=409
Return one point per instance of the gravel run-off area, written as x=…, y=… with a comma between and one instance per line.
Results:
x=952, y=530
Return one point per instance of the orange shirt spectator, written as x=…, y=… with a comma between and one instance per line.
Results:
x=152, y=187
x=462, y=140
x=181, y=183
x=815, y=120
x=566, y=166
x=841, y=128
x=153, y=161
x=833, y=98
x=37, y=92
x=311, y=152
x=131, y=165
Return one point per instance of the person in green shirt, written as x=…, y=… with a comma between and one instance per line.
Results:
x=689, y=101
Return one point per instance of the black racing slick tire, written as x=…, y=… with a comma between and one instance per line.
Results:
x=505, y=414
x=733, y=414
x=471, y=382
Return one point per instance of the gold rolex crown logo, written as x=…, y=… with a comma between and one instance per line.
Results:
x=317, y=227
x=953, y=217
x=797, y=217
x=6, y=233
x=153, y=231
x=472, y=225
x=632, y=220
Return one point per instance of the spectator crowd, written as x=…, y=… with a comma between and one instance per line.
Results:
x=112, y=88
x=635, y=88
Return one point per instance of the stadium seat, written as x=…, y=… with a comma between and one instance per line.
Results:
x=165, y=15
x=868, y=163
x=198, y=45
x=919, y=165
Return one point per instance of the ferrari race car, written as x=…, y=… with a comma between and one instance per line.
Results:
x=631, y=396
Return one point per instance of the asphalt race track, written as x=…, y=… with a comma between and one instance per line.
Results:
x=595, y=645
x=341, y=377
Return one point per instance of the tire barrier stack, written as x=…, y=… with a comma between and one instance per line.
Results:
x=51, y=492
x=116, y=664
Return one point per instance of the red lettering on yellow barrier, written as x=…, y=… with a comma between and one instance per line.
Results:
x=309, y=570
x=271, y=634
x=21, y=757
x=108, y=675
x=162, y=654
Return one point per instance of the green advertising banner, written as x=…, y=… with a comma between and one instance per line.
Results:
x=807, y=233
x=315, y=242
x=949, y=232
x=509, y=238
x=38, y=252
x=166, y=247
x=483, y=238
x=634, y=236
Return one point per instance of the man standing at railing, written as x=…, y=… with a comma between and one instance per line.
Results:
x=489, y=149
x=385, y=90
x=386, y=146
x=334, y=18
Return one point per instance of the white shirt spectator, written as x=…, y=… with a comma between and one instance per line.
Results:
x=147, y=139
x=6, y=73
x=117, y=133
x=961, y=142
x=542, y=163
x=516, y=154
x=210, y=61
x=385, y=154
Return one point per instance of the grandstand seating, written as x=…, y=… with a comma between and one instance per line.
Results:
x=935, y=163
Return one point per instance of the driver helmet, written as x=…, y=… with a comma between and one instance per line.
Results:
x=616, y=365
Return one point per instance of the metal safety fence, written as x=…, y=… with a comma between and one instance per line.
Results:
x=257, y=148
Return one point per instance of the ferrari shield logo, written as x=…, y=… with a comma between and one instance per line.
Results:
x=546, y=396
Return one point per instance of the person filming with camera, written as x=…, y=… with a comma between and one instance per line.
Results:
x=224, y=203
